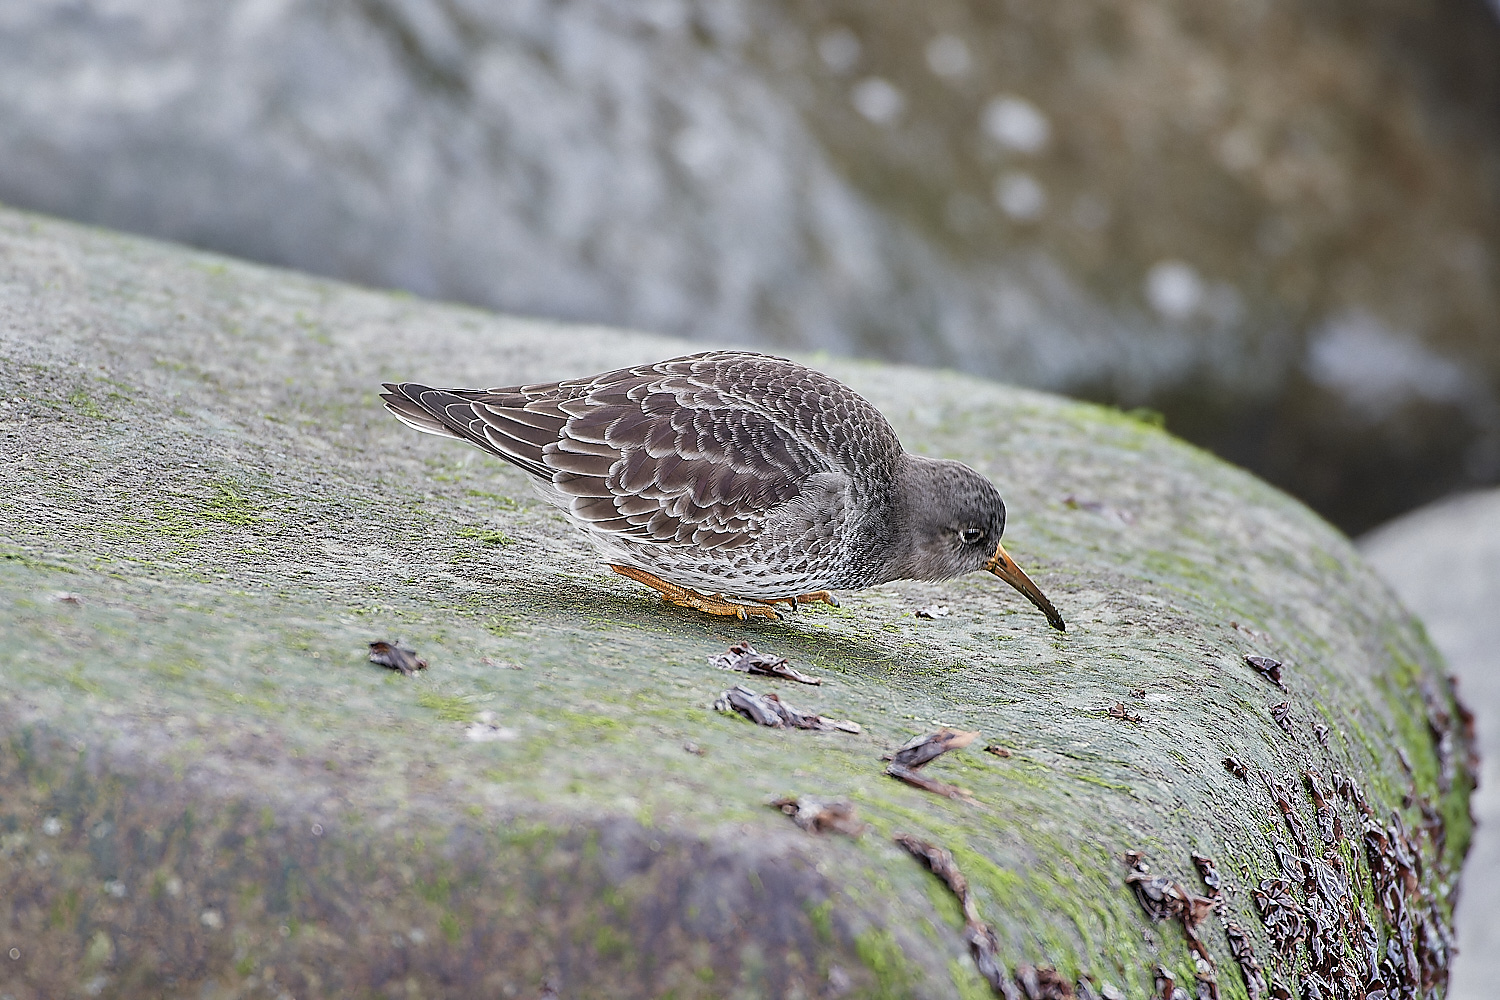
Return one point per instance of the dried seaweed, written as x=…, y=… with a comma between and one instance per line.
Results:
x=1282, y=915
x=770, y=710
x=907, y=761
x=1043, y=983
x=1234, y=767
x=1166, y=985
x=997, y=750
x=1267, y=667
x=1282, y=713
x=1209, y=872
x=1289, y=814
x=917, y=779
x=1164, y=898
x=815, y=816
x=1320, y=730
x=982, y=942
x=1330, y=827
x=1244, y=954
x=1119, y=711
x=743, y=658
x=922, y=750
x=397, y=657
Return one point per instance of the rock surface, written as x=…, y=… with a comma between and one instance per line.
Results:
x=1443, y=561
x=1275, y=222
x=206, y=789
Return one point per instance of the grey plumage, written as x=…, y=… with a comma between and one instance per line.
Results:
x=730, y=472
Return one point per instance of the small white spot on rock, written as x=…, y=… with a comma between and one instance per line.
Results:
x=948, y=56
x=878, y=100
x=1174, y=290
x=115, y=888
x=486, y=732
x=839, y=49
x=417, y=935
x=52, y=826
x=1020, y=196
x=1015, y=123
x=211, y=919
x=174, y=886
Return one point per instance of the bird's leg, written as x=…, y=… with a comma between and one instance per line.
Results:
x=816, y=597
x=686, y=598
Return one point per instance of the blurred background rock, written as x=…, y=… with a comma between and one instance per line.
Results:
x=1274, y=222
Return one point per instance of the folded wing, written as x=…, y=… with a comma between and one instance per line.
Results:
x=663, y=453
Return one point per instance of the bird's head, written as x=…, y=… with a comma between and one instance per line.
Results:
x=954, y=518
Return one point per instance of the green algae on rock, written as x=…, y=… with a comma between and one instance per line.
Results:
x=205, y=786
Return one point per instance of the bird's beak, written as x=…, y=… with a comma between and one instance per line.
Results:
x=1003, y=566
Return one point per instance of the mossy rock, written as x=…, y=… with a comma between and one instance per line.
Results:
x=206, y=789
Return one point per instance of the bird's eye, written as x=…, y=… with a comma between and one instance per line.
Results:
x=971, y=536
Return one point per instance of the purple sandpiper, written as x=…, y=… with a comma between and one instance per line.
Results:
x=731, y=481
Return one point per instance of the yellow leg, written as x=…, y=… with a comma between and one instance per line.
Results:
x=816, y=597
x=685, y=598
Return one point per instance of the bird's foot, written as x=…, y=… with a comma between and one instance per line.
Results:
x=683, y=597
x=816, y=597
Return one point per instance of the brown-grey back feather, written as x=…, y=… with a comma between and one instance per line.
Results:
x=703, y=449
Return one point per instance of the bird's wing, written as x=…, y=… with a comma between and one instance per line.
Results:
x=685, y=450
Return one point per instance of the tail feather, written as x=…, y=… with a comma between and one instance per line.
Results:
x=469, y=415
x=413, y=414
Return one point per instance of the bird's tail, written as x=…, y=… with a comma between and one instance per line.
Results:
x=402, y=400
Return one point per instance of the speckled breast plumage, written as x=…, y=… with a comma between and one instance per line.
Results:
x=726, y=472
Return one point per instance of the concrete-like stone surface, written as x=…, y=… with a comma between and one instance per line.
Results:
x=206, y=790
x=1443, y=561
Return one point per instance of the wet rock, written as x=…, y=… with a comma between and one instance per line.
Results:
x=194, y=447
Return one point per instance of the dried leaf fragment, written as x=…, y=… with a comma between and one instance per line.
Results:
x=397, y=657
x=770, y=710
x=743, y=657
x=933, y=611
x=1234, y=767
x=822, y=817
x=1119, y=711
x=1268, y=666
x=997, y=750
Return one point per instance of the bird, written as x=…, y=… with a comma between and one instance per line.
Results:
x=732, y=481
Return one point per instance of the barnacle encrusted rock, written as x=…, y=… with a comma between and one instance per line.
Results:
x=204, y=784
